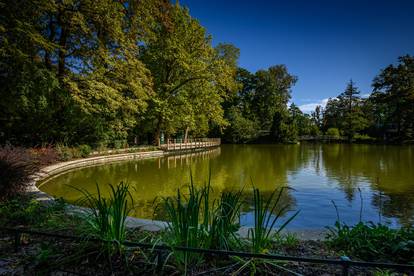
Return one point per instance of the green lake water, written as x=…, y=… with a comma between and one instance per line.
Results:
x=317, y=173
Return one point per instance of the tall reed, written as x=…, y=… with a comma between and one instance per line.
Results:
x=267, y=213
x=107, y=216
x=196, y=221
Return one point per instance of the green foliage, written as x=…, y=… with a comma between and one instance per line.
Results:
x=195, y=221
x=85, y=150
x=393, y=98
x=191, y=78
x=20, y=210
x=26, y=210
x=266, y=214
x=107, y=216
x=288, y=240
x=241, y=129
x=373, y=242
x=333, y=131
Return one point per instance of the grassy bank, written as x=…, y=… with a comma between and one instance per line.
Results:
x=195, y=222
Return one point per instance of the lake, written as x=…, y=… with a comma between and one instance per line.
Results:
x=379, y=177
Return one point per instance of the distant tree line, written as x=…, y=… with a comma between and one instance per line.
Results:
x=95, y=72
x=386, y=115
x=260, y=111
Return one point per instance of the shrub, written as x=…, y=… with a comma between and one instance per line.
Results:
x=85, y=150
x=119, y=144
x=76, y=153
x=17, y=165
x=64, y=152
x=19, y=210
x=373, y=242
x=45, y=155
x=333, y=131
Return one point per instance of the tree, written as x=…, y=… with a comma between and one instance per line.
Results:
x=394, y=93
x=317, y=116
x=191, y=79
x=353, y=119
x=345, y=112
x=272, y=93
x=240, y=129
x=90, y=48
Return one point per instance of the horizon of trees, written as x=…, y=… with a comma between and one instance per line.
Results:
x=95, y=72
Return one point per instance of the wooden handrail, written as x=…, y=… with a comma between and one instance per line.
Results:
x=190, y=143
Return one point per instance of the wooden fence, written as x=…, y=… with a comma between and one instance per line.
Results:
x=196, y=143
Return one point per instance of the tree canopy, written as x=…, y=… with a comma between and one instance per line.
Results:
x=96, y=72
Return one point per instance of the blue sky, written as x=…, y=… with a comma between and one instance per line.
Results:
x=324, y=43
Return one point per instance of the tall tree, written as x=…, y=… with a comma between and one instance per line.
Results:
x=352, y=117
x=272, y=93
x=190, y=78
x=394, y=91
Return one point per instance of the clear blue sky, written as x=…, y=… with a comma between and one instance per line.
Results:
x=323, y=42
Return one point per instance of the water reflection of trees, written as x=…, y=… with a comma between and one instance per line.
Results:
x=237, y=167
x=385, y=169
x=388, y=170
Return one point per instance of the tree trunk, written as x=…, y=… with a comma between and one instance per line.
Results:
x=157, y=134
x=62, y=47
x=48, y=61
x=186, y=134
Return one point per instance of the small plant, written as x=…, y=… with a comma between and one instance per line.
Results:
x=76, y=153
x=287, y=240
x=186, y=227
x=107, y=216
x=225, y=221
x=85, y=150
x=266, y=215
x=373, y=242
x=195, y=221
x=17, y=165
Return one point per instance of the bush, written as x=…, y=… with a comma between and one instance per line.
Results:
x=64, y=152
x=17, y=165
x=26, y=210
x=333, y=131
x=119, y=144
x=373, y=242
x=19, y=210
x=85, y=150
x=45, y=155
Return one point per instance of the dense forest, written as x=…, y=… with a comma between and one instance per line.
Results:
x=99, y=72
